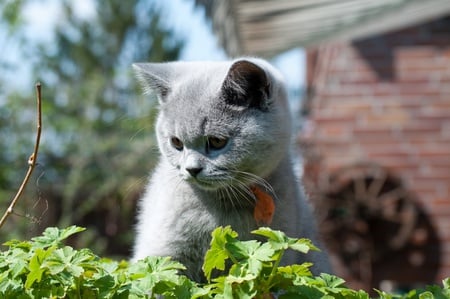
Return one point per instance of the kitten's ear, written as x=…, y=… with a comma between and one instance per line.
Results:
x=246, y=85
x=154, y=77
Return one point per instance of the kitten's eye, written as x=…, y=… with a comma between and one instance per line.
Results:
x=216, y=143
x=176, y=143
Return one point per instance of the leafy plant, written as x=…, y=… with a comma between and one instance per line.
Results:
x=255, y=270
x=45, y=268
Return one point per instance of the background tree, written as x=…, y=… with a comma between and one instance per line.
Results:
x=98, y=144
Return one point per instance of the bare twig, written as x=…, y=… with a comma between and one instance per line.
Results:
x=31, y=160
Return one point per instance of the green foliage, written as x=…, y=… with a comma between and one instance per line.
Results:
x=255, y=270
x=97, y=145
x=10, y=14
x=45, y=268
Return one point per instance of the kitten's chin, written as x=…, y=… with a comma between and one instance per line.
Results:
x=204, y=185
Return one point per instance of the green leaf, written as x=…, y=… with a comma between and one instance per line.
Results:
x=332, y=281
x=67, y=259
x=263, y=253
x=54, y=236
x=270, y=234
x=36, y=271
x=301, y=245
x=251, y=254
x=296, y=270
x=157, y=275
x=25, y=245
x=217, y=254
x=277, y=238
x=244, y=290
x=105, y=284
x=438, y=292
x=303, y=291
x=15, y=260
x=446, y=283
x=201, y=291
x=183, y=289
x=164, y=267
x=426, y=295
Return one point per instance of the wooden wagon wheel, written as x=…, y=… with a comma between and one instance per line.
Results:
x=368, y=215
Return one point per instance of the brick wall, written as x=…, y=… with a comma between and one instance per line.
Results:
x=385, y=100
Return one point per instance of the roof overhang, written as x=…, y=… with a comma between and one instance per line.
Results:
x=267, y=27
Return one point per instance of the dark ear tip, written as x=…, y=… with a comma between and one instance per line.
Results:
x=246, y=67
x=248, y=70
x=247, y=85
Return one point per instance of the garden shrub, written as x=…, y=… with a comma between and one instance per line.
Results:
x=46, y=268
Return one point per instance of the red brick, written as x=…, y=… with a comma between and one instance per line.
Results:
x=344, y=92
x=443, y=104
x=394, y=162
x=336, y=131
x=424, y=90
x=415, y=77
x=439, y=202
x=390, y=97
x=422, y=193
x=388, y=90
x=432, y=116
x=355, y=107
x=445, y=52
x=398, y=168
x=418, y=52
x=358, y=77
x=417, y=129
x=372, y=133
x=420, y=139
x=434, y=151
x=388, y=154
x=430, y=64
x=327, y=118
x=398, y=117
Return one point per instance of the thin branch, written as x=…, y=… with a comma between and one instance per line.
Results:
x=31, y=161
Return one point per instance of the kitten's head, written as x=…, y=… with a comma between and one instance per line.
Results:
x=220, y=123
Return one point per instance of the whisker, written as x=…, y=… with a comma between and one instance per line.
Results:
x=245, y=191
x=238, y=196
x=235, y=196
x=250, y=178
x=225, y=194
x=222, y=197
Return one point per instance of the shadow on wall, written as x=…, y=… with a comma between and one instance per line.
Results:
x=380, y=51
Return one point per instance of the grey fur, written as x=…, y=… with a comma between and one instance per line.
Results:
x=179, y=210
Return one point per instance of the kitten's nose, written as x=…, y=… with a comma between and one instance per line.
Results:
x=193, y=171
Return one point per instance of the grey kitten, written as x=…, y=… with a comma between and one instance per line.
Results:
x=223, y=130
